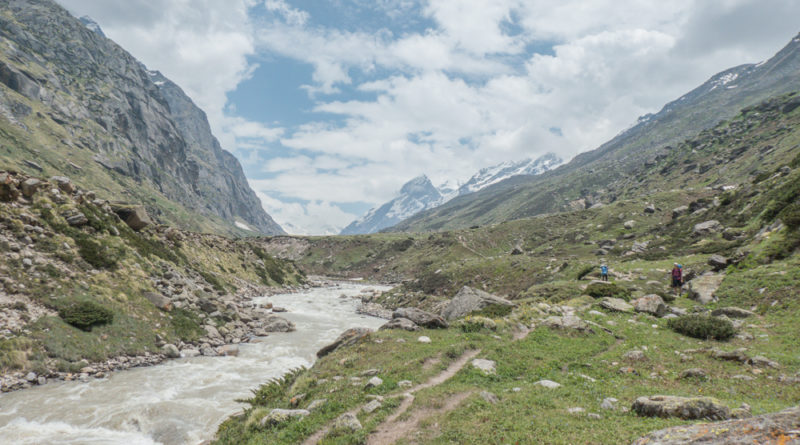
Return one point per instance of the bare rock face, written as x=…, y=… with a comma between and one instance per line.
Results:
x=469, y=300
x=650, y=304
x=421, y=318
x=160, y=301
x=689, y=408
x=781, y=427
x=707, y=228
x=134, y=216
x=348, y=337
x=401, y=323
x=616, y=304
x=704, y=287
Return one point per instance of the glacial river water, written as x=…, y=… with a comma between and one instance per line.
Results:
x=181, y=401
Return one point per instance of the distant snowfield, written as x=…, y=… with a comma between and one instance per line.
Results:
x=242, y=225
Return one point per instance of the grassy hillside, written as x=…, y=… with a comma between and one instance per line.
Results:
x=744, y=173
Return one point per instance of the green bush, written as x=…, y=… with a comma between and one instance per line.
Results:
x=602, y=290
x=86, y=314
x=98, y=254
x=186, y=325
x=494, y=311
x=586, y=270
x=702, y=327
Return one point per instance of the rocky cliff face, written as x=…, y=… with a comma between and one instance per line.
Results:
x=74, y=103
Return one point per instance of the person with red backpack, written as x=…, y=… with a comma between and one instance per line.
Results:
x=677, y=278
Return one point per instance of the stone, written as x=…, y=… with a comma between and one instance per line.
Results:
x=370, y=407
x=629, y=224
x=576, y=410
x=135, y=217
x=405, y=383
x=635, y=356
x=30, y=186
x=77, y=220
x=567, y=322
x=190, y=352
x=469, y=300
x=64, y=184
x=609, y=403
x=400, y=323
x=421, y=318
x=228, y=350
x=651, y=208
x=316, y=404
x=549, y=384
x=677, y=212
x=424, y=339
x=278, y=416
x=780, y=427
x=31, y=376
x=171, y=351
x=158, y=300
x=489, y=397
x=718, y=262
x=374, y=382
x=370, y=372
x=594, y=416
x=694, y=373
x=278, y=309
x=704, y=287
x=347, y=338
x=274, y=323
x=732, y=312
x=650, y=304
x=687, y=408
x=763, y=362
x=707, y=228
x=33, y=165
x=484, y=365
x=347, y=422
x=616, y=304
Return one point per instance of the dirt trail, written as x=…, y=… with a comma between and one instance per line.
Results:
x=392, y=430
x=390, y=424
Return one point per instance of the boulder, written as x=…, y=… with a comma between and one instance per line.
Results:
x=549, y=384
x=158, y=300
x=274, y=323
x=696, y=373
x=135, y=217
x=8, y=189
x=780, y=427
x=650, y=304
x=171, y=351
x=707, y=228
x=400, y=323
x=629, y=224
x=677, y=212
x=64, y=184
x=30, y=186
x=703, y=288
x=348, y=337
x=77, y=220
x=718, y=262
x=370, y=407
x=421, y=318
x=347, y=422
x=423, y=339
x=616, y=304
x=486, y=366
x=228, y=350
x=732, y=312
x=687, y=408
x=635, y=355
x=489, y=397
x=469, y=300
x=278, y=416
x=567, y=322
x=650, y=208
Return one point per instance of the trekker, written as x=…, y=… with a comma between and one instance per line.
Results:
x=677, y=278
x=604, y=272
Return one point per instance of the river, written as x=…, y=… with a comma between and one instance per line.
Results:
x=181, y=401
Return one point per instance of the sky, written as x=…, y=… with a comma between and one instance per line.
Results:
x=332, y=105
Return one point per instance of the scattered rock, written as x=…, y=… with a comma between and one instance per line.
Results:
x=629, y=224
x=469, y=300
x=650, y=304
x=158, y=300
x=763, y=362
x=576, y=410
x=781, y=427
x=677, y=212
x=370, y=407
x=695, y=373
x=171, y=351
x=609, y=403
x=651, y=208
x=135, y=217
x=278, y=416
x=228, y=350
x=489, y=397
x=401, y=323
x=616, y=304
x=424, y=339
x=486, y=366
x=316, y=404
x=732, y=312
x=635, y=356
x=347, y=422
x=704, y=287
x=549, y=384
x=64, y=184
x=30, y=186
x=77, y=220
x=707, y=228
x=348, y=337
x=718, y=262
x=688, y=408
x=567, y=322
x=374, y=382
x=274, y=323
x=421, y=318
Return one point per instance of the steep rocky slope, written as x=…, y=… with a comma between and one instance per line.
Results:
x=73, y=102
x=597, y=176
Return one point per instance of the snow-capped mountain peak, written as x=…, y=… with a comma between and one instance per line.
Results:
x=496, y=173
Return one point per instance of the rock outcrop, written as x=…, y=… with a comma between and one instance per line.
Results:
x=348, y=337
x=469, y=300
x=688, y=408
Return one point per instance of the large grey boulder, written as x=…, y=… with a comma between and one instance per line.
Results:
x=30, y=186
x=616, y=304
x=158, y=300
x=469, y=300
x=171, y=351
x=274, y=323
x=348, y=337
x=420, y=317
x=767, y=428
x=732, y=312
x=347, y=422
x=400, y=323
x=650, y=304
x=704, y=287
x=278, y=416
x=134, y=216
x=64, y=184
x=689, y=408
x=567, y=322
x=677, y=212
x=707, y=228
x=718, y=262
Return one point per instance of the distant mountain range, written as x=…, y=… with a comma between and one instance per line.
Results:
x=420, y=194
x=74, y=103
x=605, y=174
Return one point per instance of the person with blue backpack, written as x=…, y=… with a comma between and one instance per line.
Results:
x=604, y=272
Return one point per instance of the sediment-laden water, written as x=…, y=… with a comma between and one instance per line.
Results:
x=183, y=400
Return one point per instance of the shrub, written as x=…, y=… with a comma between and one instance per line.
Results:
x=86, y=314
x=475, y=324
x=702, y=327
x=586, y=270
x=186, y=325
x=99, y=255
x=602, y=290
x=494, y=311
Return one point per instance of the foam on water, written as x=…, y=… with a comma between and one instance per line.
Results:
x=183, y=400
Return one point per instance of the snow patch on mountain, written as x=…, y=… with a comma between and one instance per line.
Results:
x=89, y=23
